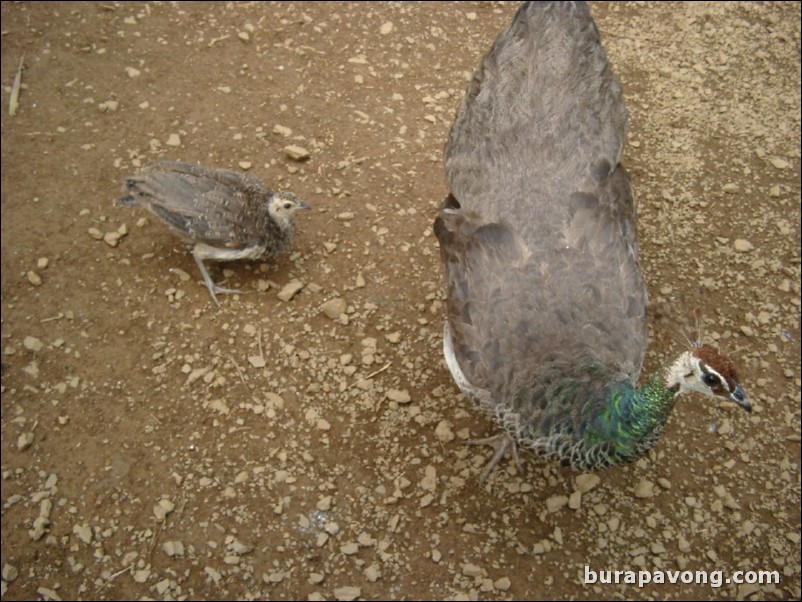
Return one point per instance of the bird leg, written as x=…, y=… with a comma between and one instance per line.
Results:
x=503, y=444
x=203, y=251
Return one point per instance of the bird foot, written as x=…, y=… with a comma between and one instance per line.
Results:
x=216, y=288
x=503, y=444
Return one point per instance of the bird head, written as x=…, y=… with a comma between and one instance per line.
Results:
x=706, y=370
x=282, y=205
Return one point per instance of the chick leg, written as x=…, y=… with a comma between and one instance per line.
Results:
x=202, y=251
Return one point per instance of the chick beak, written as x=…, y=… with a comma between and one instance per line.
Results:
x=302, y=205
x=739, y=397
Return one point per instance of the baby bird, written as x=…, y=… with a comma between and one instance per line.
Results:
x=227, y=215
x=546, y=303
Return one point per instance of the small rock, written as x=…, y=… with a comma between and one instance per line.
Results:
x=730, y=188
x=84, y=533
x=282, y=131
x=48, y=594
x=334, y=308
x=10, y=572
x=42, y=263
x=296, y=153
x=644, y=489
x=575, y=500
x=556, y=502
x=347, y=593
x=24, y=441
x=173, y=548
x=111, y=238
x=292, y=288
x=162, y=509
x=257, y=361
x=779, y=163
x=173, y=140
x=444, y=432
x=387, y=27
x=34, y=278
x=586, y=481
x=471, y=570
x=399, y=396
x=33, y=344
x=743, y=246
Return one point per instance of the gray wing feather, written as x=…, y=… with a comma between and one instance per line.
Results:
x=538, y=236
x=219, y=207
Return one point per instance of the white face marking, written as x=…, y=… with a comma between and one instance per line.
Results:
x=687, y=372
x=282, y=206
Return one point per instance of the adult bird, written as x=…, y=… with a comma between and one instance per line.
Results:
x=546, y=302
x=224, y=214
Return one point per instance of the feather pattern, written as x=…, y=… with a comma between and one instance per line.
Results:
x=546, y=302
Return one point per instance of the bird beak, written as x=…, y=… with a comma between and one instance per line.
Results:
x=739, y=397
x=302, y=205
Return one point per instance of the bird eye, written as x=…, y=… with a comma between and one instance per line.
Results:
x=287, y=205
x=711, y=380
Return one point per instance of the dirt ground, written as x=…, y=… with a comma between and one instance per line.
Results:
x=155, y=446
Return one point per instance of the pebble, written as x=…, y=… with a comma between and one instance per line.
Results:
x=10, y=572
x=282, y=131
x=444, y=432
x=586, y=481
x=48, y=594
x=292, y=288
x=348, y=592
x=84, y=533
x=24, y=441
x=743, y=246
x=555, y=502
x=334, y=308
x=34, y=278
x=173, y=548
x=575, y=500
x=257, y=361
x=33, y=344
x=111, y=238
x=399, y=396
x=296, y=153
x=162, y=509
x=730, y=188
x=173, y=140
x=644, y=489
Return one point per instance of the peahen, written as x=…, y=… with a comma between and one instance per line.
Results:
x=546, y=303
x=226, y=215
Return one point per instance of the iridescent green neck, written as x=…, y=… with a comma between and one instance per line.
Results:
x=634, y=418
x=652, y=403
